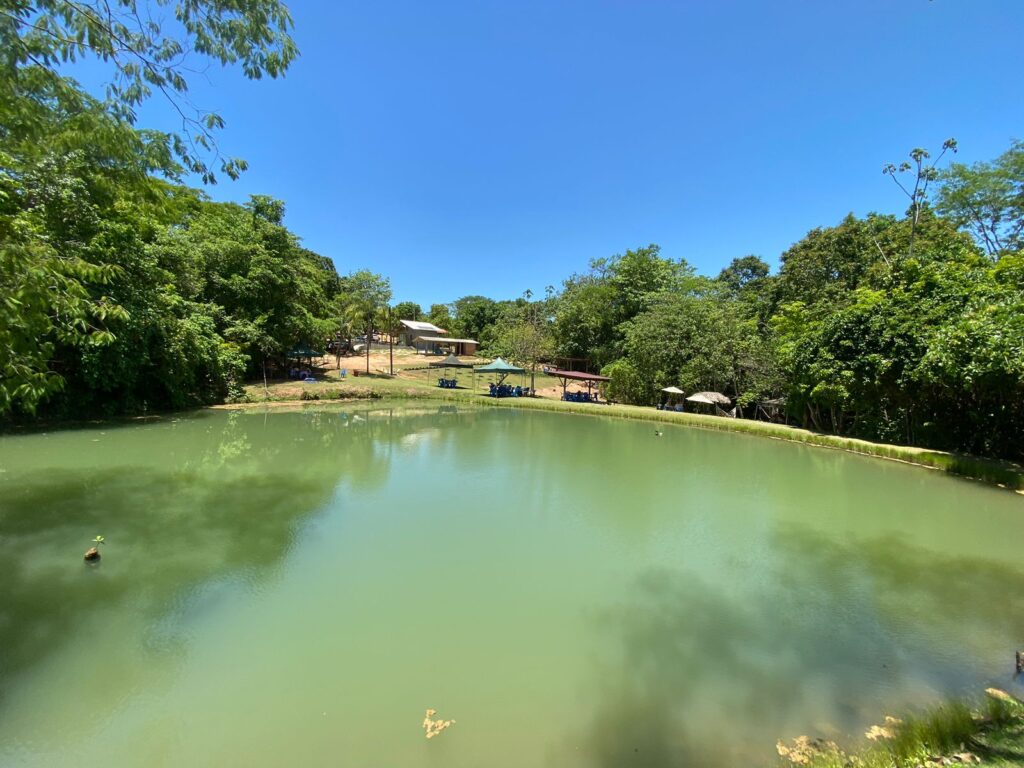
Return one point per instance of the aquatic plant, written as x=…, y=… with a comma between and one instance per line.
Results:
x=93, y=553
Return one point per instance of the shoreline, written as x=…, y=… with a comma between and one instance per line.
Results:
x=1001, y=474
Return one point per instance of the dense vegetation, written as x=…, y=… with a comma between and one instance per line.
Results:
x=124, y=290
x=901, y=329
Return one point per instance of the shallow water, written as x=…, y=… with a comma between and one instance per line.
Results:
x=296, y=588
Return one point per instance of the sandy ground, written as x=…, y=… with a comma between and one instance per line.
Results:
x=379, y=361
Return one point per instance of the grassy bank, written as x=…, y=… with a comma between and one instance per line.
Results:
x=421, y=384
x=953, y=734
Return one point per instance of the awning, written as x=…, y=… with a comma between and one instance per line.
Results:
x=709, y=398
x=445, y=340
x=498, y=366
x=672, y=390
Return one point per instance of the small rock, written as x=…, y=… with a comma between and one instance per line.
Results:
x=966, y=757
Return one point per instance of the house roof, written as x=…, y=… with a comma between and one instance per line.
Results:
x=419, y=325
x=445, y=340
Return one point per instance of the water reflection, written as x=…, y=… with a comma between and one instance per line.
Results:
x=843, y=630
x=188, y=503
x=574, y=591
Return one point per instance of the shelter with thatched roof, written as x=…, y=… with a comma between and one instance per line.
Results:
x=716, y=400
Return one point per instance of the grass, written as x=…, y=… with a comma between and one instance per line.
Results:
x=416, y=381
x=993, y=735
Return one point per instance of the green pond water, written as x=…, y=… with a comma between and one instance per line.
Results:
x=296, y=588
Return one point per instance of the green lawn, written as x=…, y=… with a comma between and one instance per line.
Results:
x=953, y=734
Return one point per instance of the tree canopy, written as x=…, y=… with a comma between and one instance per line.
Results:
x=124, y=290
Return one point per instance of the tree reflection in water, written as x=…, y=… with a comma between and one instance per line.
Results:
x=856, y=630
x=184, y=503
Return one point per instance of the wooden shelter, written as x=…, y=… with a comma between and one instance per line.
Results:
x=431, y=345
x=590, y=379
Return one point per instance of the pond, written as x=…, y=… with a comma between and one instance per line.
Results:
x=297, y=587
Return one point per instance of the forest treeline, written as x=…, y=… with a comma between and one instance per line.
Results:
x=124, y=290
x=900, y=329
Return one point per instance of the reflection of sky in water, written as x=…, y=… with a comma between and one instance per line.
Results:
x=296, y=588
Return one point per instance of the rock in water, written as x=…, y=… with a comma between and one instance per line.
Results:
x=92, y=554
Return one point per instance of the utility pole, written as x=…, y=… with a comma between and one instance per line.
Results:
x=369, y=342
x=391, y=341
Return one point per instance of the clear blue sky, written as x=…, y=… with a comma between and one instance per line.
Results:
x=493, y=146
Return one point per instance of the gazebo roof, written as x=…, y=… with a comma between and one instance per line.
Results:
x=450, y=362
x=499, y=366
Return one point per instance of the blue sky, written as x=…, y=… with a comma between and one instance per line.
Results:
x=487, y=147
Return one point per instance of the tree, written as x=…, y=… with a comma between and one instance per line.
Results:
x=923, y=173
x=473, y=317
x=523, y=334
x=143, y=56
x=829, y=262
x=363, y=295
x=638, y=275
x=743, y=274
x=440, y=316
x=593, y=306
x=698, y=340
x=749, y=281
x=584, y=325
x=987, y=199
x=408, y=310
x=79, y=206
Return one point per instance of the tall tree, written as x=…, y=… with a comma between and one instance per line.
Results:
x=987, y=199
x=144, y=55
x=440, y=315
x=922, y=172
x=364, y=294
x=77, y=176
x=523, y=334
